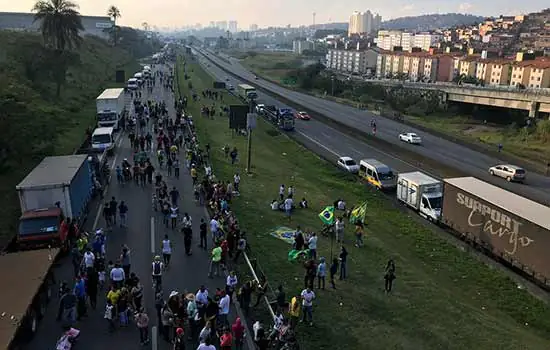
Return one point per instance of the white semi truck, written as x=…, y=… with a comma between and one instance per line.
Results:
x=111, y=107
x=422, y=193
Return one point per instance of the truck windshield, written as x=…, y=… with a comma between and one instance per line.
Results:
x=104, y=117
x=435, y=203
x=102, y=138
x=43, y=225
x=385, y=176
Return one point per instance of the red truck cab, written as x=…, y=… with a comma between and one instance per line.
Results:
x=42, y=227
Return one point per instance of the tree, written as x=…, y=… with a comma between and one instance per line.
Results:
x=60, y=24
x=114, y=13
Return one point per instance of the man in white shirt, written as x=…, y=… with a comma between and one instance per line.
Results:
x=339, y=226
x=236, y=181
x=307, y=305
x=288, y=207
x=224, y=304
x=341, y=205
x=201, y=299
x=312, y=246
x=214, y=227
x=282, y=192
x=207, y=345
x=186, y=222
x=88, y=259
x=117, y=275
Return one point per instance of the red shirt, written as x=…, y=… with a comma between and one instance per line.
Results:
x=224, y=246
x=238, y=330
x=226, y=339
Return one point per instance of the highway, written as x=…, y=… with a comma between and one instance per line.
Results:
x=435, y=148
x=143, y=235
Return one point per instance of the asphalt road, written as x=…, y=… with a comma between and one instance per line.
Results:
x=442, y=151
x=143, y=236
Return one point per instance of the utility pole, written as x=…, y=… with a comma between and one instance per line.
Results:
x=250, y=124
x=332, y=84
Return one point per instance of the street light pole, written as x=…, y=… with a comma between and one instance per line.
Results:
x=332, y=84
x=249, y=140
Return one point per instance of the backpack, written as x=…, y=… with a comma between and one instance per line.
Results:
x=156, y=268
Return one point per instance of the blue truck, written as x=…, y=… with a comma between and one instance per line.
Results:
x=282, y=117
x=57, y=188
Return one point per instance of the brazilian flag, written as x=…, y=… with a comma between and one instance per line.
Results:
x=358, y=214
x=327, y=215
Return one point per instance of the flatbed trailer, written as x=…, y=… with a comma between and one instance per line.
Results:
x=27, y=280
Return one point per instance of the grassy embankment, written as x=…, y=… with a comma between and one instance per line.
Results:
x=34, y=123
x=443, y=298
x=532, y=148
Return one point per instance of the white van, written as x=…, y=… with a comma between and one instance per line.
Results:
x=132, y=84
x=377, y=174
x=103, y=139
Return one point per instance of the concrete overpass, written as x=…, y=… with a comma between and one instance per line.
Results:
x=534, y=101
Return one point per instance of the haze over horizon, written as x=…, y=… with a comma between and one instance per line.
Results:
x=175, y=14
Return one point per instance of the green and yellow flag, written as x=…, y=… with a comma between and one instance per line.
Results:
x=358, y=214
x=327, y=215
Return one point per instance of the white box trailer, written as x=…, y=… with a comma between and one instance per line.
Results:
x=421, y=192
x=111, y=106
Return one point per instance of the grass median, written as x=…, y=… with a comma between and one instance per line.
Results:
x=443, y=298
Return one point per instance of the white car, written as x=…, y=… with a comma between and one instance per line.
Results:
x=410, y=137
x=508, y=172
x=260, y=108
x=348, y=164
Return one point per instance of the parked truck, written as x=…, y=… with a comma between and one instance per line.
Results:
x=509, y=227
x=282, y=117
x=422, y=193
x=247, y=92
x=57, y=188
x=111, y=108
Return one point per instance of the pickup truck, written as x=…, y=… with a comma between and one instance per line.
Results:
x=57, y=188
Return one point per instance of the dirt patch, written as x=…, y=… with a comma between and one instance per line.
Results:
x=473, y=129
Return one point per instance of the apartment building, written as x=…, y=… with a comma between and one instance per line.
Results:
x=468, y=66
x=299, y=46
x=353, y=61
x=361, y=23
x=533, y=73
x=493, y=71
x=388, y=39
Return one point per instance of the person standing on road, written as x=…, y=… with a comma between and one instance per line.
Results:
x=187, y=233
x=67, y=307
x=236, y=182
x=215, y=261
x=92, y=283
x=113, y=207
x=80, y=292
x=241, y=246
x=192, y=316
x=201, y=298
x=125, y=260
x=117, y=275
x=174, y=195
x=238, y=334
x=203, y=235
x=224, y=306
x=194, y=174
x=142, y=323
x=174, y=215
x=107, y=214
x=137, y=295
x=176, y=166
x=166, y=251
x=123, y=212
x=214, y=228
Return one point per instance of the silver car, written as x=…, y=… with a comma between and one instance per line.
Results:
x=508, y=172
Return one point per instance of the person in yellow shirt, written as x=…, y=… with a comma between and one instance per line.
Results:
x=294, y=310
x=215, y=261
x=113, y=296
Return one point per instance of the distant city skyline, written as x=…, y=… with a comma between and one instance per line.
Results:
x=177, y=14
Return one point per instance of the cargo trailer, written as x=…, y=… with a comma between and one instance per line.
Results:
x=505, y=225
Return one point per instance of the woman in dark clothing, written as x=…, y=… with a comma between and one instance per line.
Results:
x=389, y=276
x=299, y=240
x=261, y=290
x=245, y=296
x=343, y=263
x=211, y=313
x=91, y=287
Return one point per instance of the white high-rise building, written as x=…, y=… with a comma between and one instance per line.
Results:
x=232, y=26
x=253, y=27
x=363, y=23
x=221, y=25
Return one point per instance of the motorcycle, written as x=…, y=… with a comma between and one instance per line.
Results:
x=68, y=339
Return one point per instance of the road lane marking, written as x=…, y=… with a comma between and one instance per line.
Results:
x=98, y=215
x=154, y=338
x=318, y=143
x=153, y=239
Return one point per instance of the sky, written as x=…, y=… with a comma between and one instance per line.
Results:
x=178, y=13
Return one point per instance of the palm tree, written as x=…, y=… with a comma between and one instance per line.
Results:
x=60, y=24
x=114, y=13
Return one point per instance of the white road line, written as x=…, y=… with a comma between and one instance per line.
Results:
x=98, y=215
x=153, y=238
x=154, y=338
x=318, y=143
